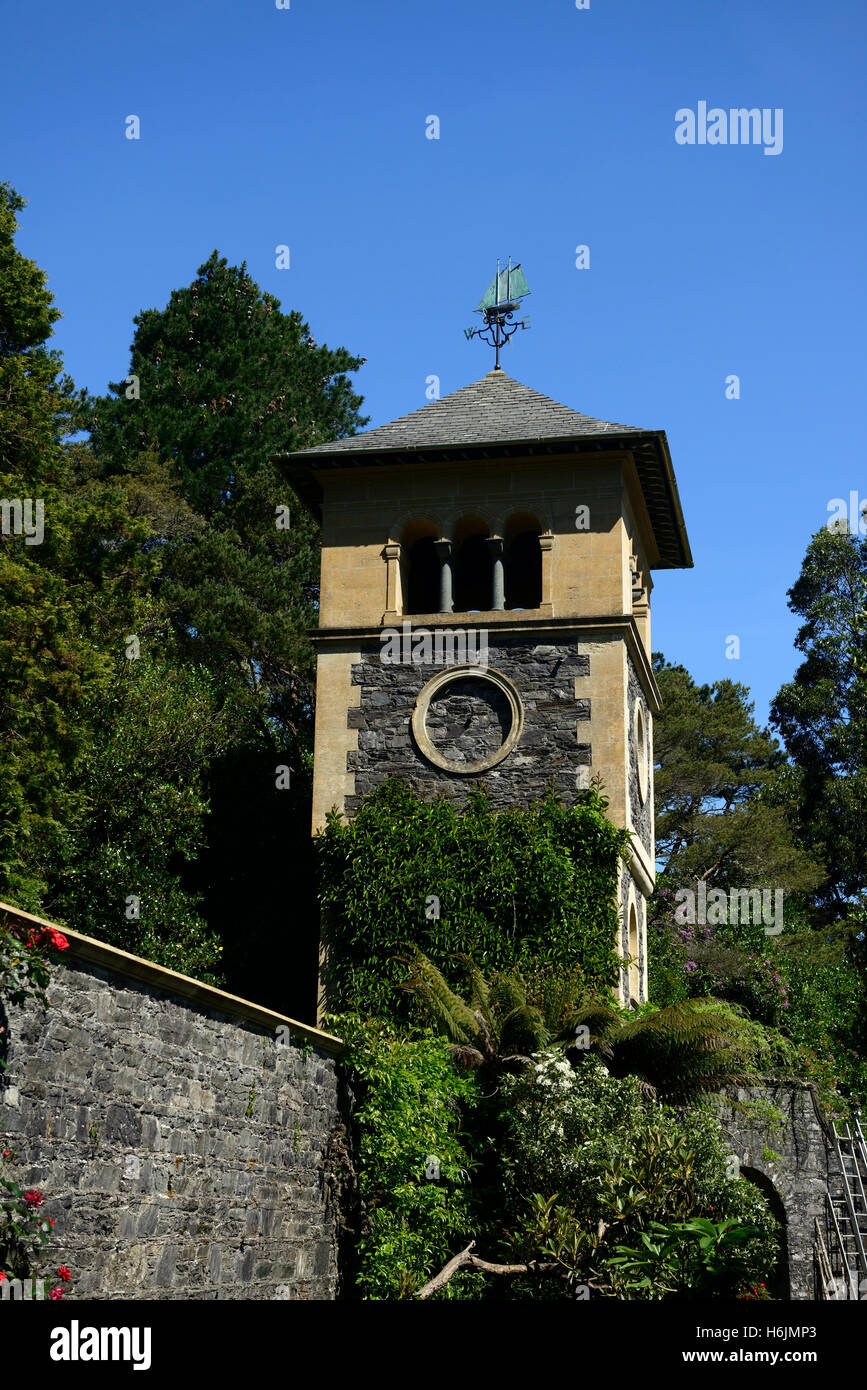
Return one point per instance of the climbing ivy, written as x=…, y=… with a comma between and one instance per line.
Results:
x=529, y=887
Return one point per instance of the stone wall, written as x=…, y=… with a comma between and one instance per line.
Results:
x=181, y=1142
x=781, y=1143
x=550, y=748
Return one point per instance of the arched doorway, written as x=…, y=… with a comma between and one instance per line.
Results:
x=779, y=1286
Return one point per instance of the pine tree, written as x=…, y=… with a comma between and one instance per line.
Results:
x=219, y=381
x=822, y=712
x=723, y=791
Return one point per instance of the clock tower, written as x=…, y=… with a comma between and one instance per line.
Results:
x=485, y=611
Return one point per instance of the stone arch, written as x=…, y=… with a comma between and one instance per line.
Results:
x=778, y=1133
x=633, y=948
x=523, y=561
x=419, y=566
x=781, y=1284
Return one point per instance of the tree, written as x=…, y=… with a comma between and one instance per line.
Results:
x=502, y=1020
x=67, y=556
x=678, y=1053
x=219, y=381
x=822, y=713
x=149, y=733
x=721, y=782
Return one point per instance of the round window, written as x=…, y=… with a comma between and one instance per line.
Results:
x=467, y=720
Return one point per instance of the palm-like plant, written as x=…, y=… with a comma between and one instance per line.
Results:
x=677, y=1053
x=501, y=1023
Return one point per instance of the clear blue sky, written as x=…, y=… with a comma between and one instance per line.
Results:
x=306, y=127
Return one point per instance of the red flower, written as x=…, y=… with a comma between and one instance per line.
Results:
x=55, y=1294
x=57, y=939
x=64, y=1273
x=34, y=1198
x=2, y=1277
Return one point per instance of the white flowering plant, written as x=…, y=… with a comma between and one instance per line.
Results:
x=591, y=1162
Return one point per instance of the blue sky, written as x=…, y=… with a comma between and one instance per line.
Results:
x=306, y=127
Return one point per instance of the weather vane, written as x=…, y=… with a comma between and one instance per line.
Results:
x=501, y=302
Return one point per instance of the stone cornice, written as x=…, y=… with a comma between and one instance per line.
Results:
x=624, y=626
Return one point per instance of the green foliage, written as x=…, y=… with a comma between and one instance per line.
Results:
x=517, y=889
x=822, y=713
x=49, y=657
x=684, y=1050
x=143, y=813
x=617, y=1162
x=759, y=1113
x=806, y=992
x=24, y=1233
x=667, y=979
x=500, y=1021
x=227, y=381
x=412, y=1105
x=678, y=1052
x=687, y=1259
x=155, y=778
x=720, y=811
x=25, y=956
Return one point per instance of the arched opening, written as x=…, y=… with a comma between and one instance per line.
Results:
x=523, y=563
x=634, y=970
x=473, y=566
x=779, y=1286
x=641, y=752
x=420, y=568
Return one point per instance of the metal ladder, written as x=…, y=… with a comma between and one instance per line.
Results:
x=841, y=1245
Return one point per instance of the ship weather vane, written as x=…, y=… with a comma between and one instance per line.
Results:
x=502, y=300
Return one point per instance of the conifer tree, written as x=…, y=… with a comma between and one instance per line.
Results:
x=219, y=381
x=66, y=552
x=723, y=791
x=822, y=712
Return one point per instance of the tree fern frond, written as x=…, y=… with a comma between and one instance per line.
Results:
x=479, y=989
x=447, y=1008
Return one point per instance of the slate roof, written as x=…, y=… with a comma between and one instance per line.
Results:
x=495, y=418
x=494, y=410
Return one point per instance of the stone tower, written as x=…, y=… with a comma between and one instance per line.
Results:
x=485, y=610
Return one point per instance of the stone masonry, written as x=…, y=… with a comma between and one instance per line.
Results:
x=782, y=1144
x=549, y=751
x=180, y=1142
